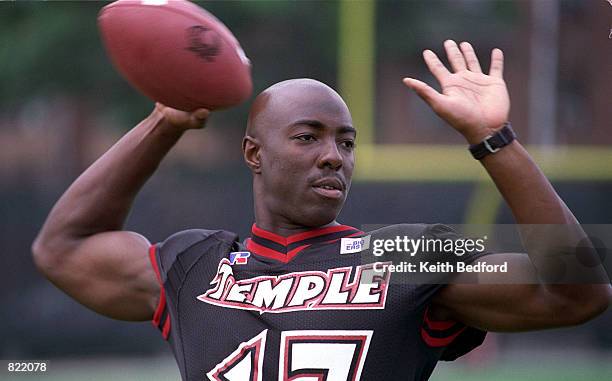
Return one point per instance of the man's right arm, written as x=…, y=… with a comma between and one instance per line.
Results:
x=82, y=248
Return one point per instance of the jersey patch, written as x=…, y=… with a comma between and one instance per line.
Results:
x=239, y=257
x=354, y=245
x=299, y=291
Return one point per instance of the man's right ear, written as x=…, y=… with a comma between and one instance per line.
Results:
x=250, y=150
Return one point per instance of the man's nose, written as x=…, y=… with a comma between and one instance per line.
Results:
x=330, y=156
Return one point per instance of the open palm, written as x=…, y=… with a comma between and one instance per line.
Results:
x=472, y=102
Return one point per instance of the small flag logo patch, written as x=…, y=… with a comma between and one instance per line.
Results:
x=239, y=257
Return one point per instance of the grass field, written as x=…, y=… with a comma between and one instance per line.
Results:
x=524, y=366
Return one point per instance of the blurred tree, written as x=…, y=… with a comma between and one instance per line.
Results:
x=52, y=48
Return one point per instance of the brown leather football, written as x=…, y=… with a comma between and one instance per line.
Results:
x=176, y=53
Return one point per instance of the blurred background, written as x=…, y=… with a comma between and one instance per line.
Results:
x=62, y=105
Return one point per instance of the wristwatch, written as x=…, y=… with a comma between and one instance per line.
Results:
x=494, y=142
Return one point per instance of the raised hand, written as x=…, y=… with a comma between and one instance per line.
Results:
x=472, y=102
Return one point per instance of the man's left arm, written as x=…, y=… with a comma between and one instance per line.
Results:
x=477, y=105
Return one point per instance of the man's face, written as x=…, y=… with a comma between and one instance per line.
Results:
x=307, y=157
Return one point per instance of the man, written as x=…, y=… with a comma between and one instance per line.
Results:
x=287, y=303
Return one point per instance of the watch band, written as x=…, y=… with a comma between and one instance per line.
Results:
x=494, y=142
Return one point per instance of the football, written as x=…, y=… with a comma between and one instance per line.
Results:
x=176, y=53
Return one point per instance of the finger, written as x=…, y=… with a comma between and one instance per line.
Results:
x=201, y=113
x=470, y=57
x=198, y=118
x=436, y=67
x=454, y=55
x=497, y=63
x=423, y=90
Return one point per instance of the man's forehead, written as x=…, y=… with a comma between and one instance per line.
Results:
x=306, y=100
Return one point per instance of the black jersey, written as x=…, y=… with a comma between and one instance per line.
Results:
x=304, y=307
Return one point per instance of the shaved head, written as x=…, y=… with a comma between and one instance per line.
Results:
x=299, y=146
x=273, y=105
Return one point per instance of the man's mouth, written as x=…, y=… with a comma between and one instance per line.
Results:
x=329, y=187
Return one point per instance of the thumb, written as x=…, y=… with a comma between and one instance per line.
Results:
x=199, y=117
x=201, y=113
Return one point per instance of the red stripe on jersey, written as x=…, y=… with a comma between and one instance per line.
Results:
x=268, y=235
x=161, y=305
x=166, y=329
x=152, y=249
x=273, y=254
x=285, y=241
x=264, y=251
x=271, y=251
x=317, y=232
x=295, y=252
x=438, y=325
x=437, y=341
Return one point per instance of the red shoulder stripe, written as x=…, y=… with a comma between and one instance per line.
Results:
x=152, y=249
x=161, y=305
x=166, y=329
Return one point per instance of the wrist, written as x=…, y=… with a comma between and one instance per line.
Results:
x=492, y=143
x=477, y=136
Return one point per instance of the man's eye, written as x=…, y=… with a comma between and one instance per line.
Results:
x=305, y=138
x=348, y=144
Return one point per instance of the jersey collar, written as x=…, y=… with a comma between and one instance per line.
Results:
x=274, y=246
